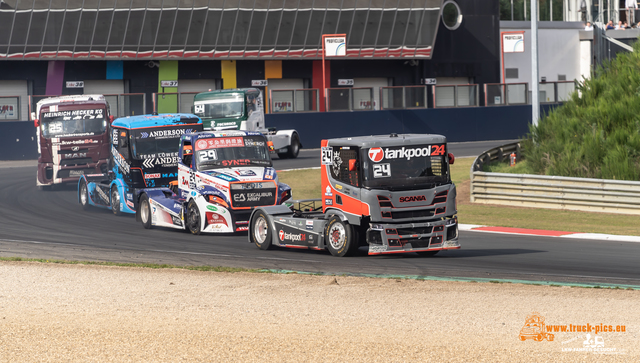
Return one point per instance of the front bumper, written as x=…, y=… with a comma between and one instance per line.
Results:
x=50, y=173
x=387, y=238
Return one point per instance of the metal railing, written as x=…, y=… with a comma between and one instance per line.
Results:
x=294, y=100
x=553, y=92
x=553, y=192
x=460, y=95
x=168, y=102
x=10, y=108
x=499, y=94
x=403, y=97
x=126, y=104
x=350, y=99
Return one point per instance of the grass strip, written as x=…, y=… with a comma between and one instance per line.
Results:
x=306, y=185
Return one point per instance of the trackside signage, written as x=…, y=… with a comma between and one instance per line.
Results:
x=377, y=154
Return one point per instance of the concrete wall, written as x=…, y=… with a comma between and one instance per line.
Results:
x=559, y=51
x=17, y=139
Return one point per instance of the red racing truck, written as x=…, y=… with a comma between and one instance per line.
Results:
x=72, y=138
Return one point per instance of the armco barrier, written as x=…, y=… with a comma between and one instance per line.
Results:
x=554, y=192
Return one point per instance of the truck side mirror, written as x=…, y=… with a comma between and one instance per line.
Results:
x=452, y=158
x=352, y=164
x=36, y=123
x=111, y=118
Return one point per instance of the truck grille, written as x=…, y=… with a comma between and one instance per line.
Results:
x=408, y=214
x=79, y=161
x=75, y=173
x=244, y=198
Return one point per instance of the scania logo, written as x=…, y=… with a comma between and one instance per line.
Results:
x=414, y=198
x=284, y=236
x=376, y=154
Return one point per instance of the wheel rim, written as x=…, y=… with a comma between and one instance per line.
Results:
x=144, y=211
x=193, y=217
x=260, y=230
x=337, y=236
x=83, y=194
x=115, y=199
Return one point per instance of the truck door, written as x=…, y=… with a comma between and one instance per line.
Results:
x=345, y=181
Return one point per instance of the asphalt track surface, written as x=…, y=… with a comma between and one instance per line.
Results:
x=52, y=225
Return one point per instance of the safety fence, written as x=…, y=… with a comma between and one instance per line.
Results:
x=465, y=95
x=120, y=105
x=553, y=192
x=294, y=100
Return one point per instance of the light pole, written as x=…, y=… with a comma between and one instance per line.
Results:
x=535, y=101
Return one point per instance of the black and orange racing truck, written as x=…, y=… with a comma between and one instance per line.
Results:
x=392, y=193
x=72, y=138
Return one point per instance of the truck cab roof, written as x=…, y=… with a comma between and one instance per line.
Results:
x=206, y=95
x=163, y=119
x=388, y=140
x=208, y=134
x=71, y=100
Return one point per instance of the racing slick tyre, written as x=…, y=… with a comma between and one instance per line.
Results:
x=193, y=218
x=260, y=231
x=339, y=237
x=115, y=201
x=292, y=150
x=145, y=211
x=84, y=195
x=427, y=253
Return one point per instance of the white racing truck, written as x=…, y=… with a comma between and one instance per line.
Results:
x=222, y=177
x=243, y=109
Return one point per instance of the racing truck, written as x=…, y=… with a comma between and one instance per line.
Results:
x=391, y=192
x=243, y=109
x=222, y=177
x=72, y=138
x=143, y=154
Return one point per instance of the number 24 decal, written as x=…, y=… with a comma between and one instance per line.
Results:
x=437, y=150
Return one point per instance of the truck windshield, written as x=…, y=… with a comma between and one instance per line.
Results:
x=158, y=142
x=74, y=123
x=397, y=168
x=224, y=152
x=223, y=106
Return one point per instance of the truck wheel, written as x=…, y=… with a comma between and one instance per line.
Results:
x=260, y=231
x=84, y=195
x=145, y=211
x=427, y=253
x=115, y=201
x=294, y=148
x=339, y=238
x=193, y=217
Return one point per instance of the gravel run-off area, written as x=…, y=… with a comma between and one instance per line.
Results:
x=58, y=312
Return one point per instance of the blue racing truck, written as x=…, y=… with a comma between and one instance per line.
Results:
x=143, y=154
